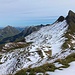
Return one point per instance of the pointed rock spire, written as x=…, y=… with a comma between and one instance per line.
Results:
x=71, y=13
x=71, y=16
x=71, y=21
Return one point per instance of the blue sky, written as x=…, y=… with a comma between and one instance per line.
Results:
x=33, y=12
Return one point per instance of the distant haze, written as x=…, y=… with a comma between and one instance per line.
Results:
x=33, y=12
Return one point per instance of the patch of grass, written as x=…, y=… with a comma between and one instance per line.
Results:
x=1, y=46
x=21, y=72
x=70, y=58
x=42, y=69
x=68, y=41
x=32, y=73
x=18, y=46
x=49, y=53
x=65, y=62
x=49, y=66
x=40, y=53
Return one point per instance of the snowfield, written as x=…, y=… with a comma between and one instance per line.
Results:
x=49, y=37
x=46, y=42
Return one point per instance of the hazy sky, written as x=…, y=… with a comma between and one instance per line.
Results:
x=31, y=12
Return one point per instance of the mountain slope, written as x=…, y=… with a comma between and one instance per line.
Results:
x=8, y=31
x=50, y=35
x=52, y=46
x=45, y=43
x=21, y=35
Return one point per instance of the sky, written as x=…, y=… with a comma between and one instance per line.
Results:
x=20, y=13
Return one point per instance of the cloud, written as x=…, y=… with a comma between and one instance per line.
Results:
x=33, y=9
x=35, y=6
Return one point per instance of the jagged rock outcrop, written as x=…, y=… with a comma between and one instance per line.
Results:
x=69, y=35
x=60, y=19
x=71, y=21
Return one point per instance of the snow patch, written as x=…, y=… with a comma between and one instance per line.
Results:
x=66, y=71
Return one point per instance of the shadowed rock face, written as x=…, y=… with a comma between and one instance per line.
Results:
x=71, y=21
x=60, y=19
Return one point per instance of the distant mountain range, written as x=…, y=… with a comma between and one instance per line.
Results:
x=19, y=36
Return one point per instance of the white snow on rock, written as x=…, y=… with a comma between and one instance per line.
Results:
x=49, y=35
x=57, y=64
x=47, y=39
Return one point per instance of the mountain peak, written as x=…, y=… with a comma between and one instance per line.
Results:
x=71, y=20
x=8, y=31
x=8, y=26
x=71, y=13
x=60, y=19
